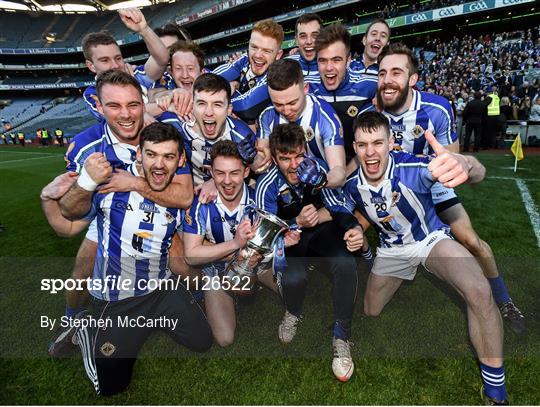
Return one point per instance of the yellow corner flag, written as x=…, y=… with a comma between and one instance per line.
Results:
x=517, y=150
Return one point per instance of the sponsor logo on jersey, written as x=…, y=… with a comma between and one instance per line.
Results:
x=144, y=234
x=148, y=207
x=378, y=199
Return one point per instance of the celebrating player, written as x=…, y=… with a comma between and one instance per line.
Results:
x=120, y=103
x=376, y=37
x=134, y=236
x=393, y=191
x=345, y=92
x=220, y=223
x=251, y=97
x=292, y=104
x=292, y=190
x=411, y=113
x=307, y=29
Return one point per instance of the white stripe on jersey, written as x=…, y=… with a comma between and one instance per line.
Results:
x=268, y=180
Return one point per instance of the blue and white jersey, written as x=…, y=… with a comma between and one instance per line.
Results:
x=400, y=207
x=427, y=111
x=133, y=247
x=198, y=147
x=319, y=120
x=99, y=138
x=359, y=68
x=275, y=195
x=90, y=98
x=309, y=68
x=351, y=96
x=90, y=94
x=214, y=220
x=252, y=95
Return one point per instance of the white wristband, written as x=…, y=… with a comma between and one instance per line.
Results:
x=86, y=182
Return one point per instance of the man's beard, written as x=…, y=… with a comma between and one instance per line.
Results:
x=397, y=104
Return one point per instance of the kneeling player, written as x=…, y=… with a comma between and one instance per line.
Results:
x=393, y=191
x=135, y=234
x=215, y=230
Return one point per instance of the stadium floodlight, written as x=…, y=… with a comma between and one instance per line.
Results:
x=68, y=7
x=129, y=3
x=12, y=6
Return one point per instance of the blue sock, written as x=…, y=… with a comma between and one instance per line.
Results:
x=499, y=290
x=71, y=312
x=493, y=379
x=341, y=331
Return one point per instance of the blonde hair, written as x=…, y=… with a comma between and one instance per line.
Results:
x=270, y=29
x=505, y=101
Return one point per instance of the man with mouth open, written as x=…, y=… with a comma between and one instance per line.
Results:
x=291, y=103
x=307, y=29
x=120, y=102
x=249, y=70
x=376, y=37
x=135, y=234
x=211, y=110
x=393, y=190
x=346, y=92
x=411, y=113
x=327, y=230
x=216, y=230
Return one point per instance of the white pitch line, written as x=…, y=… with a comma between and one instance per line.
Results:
x=24, y=159
x=531, y=208
x=26, y=152
x=514, y=179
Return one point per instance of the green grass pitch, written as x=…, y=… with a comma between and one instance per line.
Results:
x=416, y=352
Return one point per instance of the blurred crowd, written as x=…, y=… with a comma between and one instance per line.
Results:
x=507, y=62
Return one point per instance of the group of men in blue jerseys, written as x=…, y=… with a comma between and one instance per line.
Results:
x=164, y=182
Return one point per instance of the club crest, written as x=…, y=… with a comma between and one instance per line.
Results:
x=352, y=111
x=309, y=134
x=417, y=131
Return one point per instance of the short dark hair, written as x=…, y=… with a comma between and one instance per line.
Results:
x=307, y=18
x=174, y=30
x=158, y=132
x=115, y=77
x=225, y=148
x=284, y=73
x=94, y=39
x=210, y=82
x=333, y=33
x=379, y=21
x=370, y=122
x=286, y=138
x=188, y=46
x=400, y=49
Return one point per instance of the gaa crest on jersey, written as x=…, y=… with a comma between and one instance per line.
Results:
x=417, y=131
x=352, y=111
x=107, y=349
x=309, y=134
x=252, y=82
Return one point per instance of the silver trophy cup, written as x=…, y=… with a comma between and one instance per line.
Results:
x=240, y=270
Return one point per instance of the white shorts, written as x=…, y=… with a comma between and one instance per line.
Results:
x=402, y=261
x=92, y=233
x=439, y=193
